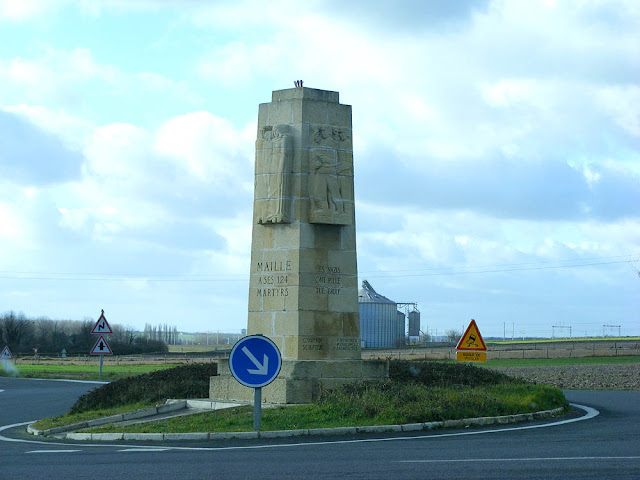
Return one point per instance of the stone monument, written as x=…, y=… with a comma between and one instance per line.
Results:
x=303, y=289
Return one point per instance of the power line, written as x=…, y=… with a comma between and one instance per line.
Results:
x=233, y=277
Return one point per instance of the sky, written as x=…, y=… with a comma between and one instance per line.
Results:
x=496, y=155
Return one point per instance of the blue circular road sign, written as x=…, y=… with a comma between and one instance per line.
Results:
x=255, y=361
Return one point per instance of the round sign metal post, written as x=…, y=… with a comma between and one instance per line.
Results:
x=255, y=361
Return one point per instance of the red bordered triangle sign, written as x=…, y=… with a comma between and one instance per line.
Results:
x=472, y=340
x=102, y=327
x=6, y=354
x=101, y=347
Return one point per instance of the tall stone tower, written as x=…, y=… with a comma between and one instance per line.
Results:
x=303, y=290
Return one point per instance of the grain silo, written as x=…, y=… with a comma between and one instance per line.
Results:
x=379, y=319
x=414, y=323
x=401, y=333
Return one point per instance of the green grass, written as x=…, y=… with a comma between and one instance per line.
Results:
x=83, y=372
x=415, y=392
x=555, y=362
x=69, y=418
x=390, y=404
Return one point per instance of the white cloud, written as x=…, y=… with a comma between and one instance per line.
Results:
x=484, y=134
x=210, y=147
x=20, y=10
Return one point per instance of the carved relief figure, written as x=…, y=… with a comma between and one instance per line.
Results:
x=337, y=135
x=276, y=158
x=325, y=189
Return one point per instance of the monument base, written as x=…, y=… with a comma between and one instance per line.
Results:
x=299, y=381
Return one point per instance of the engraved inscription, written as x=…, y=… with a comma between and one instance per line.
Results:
x=347, y=344
x=274, y=266
x=274, y=278
x=312, y=344
x=328, y=280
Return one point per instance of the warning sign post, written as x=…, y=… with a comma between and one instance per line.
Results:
x=471, y=347
x=6, y=354
x=101, y=347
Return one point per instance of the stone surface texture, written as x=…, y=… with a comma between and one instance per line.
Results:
x=303, y=288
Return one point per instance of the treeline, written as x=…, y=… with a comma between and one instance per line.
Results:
x=50, y=337
x=163, y=333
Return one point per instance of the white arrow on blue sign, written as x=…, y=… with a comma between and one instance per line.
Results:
x=255, y=361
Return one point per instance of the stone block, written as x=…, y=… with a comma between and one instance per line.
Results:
x=147, y=412
x=186, y=436
x=301, y=209
x=344, y=261
x=300, y=188
x=279, y=298
x=109, y=437
x=283, y=433
x=307, y=236
x=432, y=425
x=291, y=345
x=339, y=115
x=333, y=431
x=200, y=404
x=143, y=437
x=280, y=113
x=344, y=301
x=286, y=323
x=287, y=236
x=379, y=428
x=313, y=298
x=263, y=238
x=233, y=435
x=263, y=114
x=327, y=237
x=173, y=406
x=260, y=322
x=413, y=427
x=328, y=323
x=102, y=421
x=305, y=94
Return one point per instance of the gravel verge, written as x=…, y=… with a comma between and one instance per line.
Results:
x=621, y=376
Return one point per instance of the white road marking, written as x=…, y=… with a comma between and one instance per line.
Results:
x=591, y=413
x=1, y=391
x=60, y=380
x=145, y=449
x=532, y=459
x=53, y=451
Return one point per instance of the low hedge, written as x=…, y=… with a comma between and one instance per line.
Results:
x=187, y=381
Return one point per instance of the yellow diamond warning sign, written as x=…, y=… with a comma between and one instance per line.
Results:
x=472, y=340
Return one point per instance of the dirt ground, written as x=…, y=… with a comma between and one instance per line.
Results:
x=624, y=376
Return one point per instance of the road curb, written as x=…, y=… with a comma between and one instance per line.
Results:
x=411, y=427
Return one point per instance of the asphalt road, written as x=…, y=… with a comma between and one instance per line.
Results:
x=602, y=444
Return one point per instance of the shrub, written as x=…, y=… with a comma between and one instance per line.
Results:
x=441, y=374
x=187, y=381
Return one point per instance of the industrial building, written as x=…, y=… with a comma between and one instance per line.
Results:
x=382, y=321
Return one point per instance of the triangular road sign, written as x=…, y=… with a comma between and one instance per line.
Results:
x=102, y=326
x=6, y=354
x=101, y=347
x=472, y=340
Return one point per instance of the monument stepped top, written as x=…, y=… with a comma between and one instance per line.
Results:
x=306, y=94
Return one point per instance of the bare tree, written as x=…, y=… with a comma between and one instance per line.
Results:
x=16, y=330
x=453, y=335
